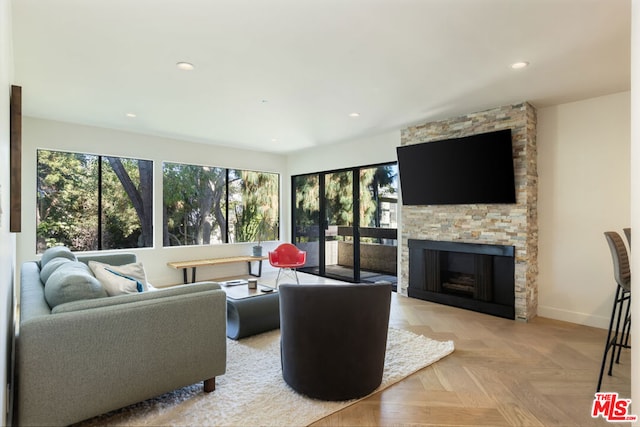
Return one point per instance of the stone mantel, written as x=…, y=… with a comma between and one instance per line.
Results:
x=502, y=224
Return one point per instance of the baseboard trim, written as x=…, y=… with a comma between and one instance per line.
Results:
x=574, y=317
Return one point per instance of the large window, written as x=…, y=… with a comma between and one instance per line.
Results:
x=91, y=202
x=253, y=206
x=194, y=202
x=204, y=205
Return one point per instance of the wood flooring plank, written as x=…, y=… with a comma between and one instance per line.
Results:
x=518, y=415
x=411, y=397
x=541, y=406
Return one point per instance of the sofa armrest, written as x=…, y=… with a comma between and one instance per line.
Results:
x=74, y=365
x=32, y=300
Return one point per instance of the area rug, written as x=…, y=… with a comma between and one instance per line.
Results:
x=252, y=392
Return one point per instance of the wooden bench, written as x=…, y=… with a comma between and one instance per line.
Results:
x=184, y=265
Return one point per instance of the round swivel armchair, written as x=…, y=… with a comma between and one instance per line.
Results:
x=334, y=338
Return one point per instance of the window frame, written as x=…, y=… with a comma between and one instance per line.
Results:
x=227, y=238
x=100, y=226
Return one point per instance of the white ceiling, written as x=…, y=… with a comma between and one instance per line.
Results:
x=293, y=70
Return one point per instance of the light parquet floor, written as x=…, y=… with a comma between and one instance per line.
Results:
x=502, y=373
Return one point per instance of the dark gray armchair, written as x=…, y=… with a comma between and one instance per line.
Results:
x=333, y=338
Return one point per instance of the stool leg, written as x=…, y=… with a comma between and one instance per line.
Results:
x=614, y=343
x=608, y=342
x=624, y=338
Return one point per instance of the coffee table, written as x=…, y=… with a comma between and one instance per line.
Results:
x=251, y=311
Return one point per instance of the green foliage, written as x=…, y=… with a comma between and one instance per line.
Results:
x=195, y=205
x=374, y=183
x=66, y=200
x=339, y=198
x=307, y=199
x=307, y=207
x=67, y=205
x=256, y=206
x=368, y=204
x=121, y=224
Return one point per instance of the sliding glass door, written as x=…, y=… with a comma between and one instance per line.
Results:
x=378, y=223
x=339, y=224
x=306, y=211
x=346, y=220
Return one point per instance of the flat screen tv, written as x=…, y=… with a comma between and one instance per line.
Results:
x=468, y=170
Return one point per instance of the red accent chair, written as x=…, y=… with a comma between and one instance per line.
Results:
x=287, y=257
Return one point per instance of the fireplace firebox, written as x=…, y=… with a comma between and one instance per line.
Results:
x=473, y=276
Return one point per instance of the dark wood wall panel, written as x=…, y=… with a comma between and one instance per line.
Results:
x=16, y=160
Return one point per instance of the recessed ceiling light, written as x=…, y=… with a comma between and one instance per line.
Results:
x=186, y=66
x=354, y=115
x=132, y=115
x=274, y=139
x=519, y=65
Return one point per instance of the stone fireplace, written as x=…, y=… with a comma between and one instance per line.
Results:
x=508, y=225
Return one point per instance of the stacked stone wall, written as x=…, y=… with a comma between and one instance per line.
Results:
x=503, y=224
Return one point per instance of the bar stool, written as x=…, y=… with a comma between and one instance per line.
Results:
x=622, y=275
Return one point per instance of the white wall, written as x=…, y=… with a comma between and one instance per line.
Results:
x=364, y=151
x=7, y=240
x=584, y=187
x=46, y=134
x=635, y=191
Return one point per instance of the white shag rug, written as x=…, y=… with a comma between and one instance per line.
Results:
x=252, y=391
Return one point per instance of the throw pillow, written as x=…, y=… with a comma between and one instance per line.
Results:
x=52, y=266
x=120, y=279
x=56, y=252
x=71, y=282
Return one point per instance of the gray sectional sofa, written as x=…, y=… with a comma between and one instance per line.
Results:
x=90, y=355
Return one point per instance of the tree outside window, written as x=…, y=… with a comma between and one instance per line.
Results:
x=205, y=205
x=90, y=202
x=307, y=208
x=378, y=196
x=194, y=203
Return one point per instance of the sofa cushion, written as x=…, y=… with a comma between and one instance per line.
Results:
x=56, y=252
x=51, y=266
x=120, y=279
x=71, y=282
